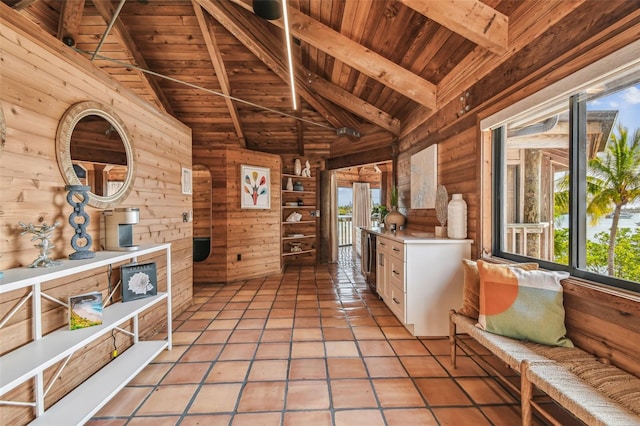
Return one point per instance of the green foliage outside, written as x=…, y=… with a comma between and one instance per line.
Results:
x=613, y=181
x=627, y=252
x=345, y=210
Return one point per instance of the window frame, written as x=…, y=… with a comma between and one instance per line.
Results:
x=577, y=202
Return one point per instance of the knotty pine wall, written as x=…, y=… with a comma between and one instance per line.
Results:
x=576, y=41
x=40, y=79
x=252, y=234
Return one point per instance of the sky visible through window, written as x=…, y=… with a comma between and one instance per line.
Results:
x=626, y=102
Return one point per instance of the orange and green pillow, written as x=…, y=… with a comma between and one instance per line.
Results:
x=522, y=304
x=471, y=286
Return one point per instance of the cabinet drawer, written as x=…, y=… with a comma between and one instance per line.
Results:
x=383, y=244
x=396, y=250
x=396, y=302
x=396, y=272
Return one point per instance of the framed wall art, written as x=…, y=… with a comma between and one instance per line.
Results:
x=187, y=181
x=255, y=184
x=424, y=178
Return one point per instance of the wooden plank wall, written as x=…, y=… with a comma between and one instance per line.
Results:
x=457, y=171
x=601, y=320
x=252, y=234
x=39, y=82
x=605, y=322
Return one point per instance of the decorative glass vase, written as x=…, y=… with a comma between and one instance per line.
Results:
x=457, y=213
x=394, y=219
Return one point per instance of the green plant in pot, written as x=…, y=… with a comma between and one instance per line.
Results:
x=394, y=219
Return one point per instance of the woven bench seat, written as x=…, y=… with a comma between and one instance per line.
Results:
x=594, y=392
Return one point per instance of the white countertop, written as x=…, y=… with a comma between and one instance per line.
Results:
x=411, y=236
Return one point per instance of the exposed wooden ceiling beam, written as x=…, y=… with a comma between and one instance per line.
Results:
x=472, y=19
x=23, y=4
x=353, y=103
x=220, y=69
x=70, y=17
x=523, y=27
x=357, y=56
x=257, y=40
x=106, y=10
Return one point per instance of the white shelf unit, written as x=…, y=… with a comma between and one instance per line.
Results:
x=31, y=360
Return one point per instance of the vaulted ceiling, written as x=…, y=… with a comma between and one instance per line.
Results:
x=378, y=67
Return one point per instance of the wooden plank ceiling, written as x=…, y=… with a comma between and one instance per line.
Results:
x=369, y=65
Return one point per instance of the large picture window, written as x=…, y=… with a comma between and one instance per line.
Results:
x=567, y=183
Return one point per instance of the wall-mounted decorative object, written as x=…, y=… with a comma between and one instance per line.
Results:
x=256, y=187
x=41, y=233
x=78, y=197
x=187, y=181
x=139, y=280
x=91, y=134
x=457, y=213
x=442, y=200
x=297, y=167
x=424, y=178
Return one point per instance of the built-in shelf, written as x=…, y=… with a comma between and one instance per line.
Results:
x=298, y=238
x=297, y=176
x=29, y=361
x=306, y=229
x=286, y=191
x=298, y=252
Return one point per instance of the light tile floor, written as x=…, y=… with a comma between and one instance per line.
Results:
x=313, y=346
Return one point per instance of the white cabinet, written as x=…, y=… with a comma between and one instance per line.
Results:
x=28, y=362
x=420, y=280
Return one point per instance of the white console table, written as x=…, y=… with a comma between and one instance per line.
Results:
x=30, y=361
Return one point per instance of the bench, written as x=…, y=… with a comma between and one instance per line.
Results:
x=590, y=388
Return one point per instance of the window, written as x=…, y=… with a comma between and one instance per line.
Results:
x=567, y=182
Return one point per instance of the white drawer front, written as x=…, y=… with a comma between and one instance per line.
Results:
x=396, y=302
x=396, y=272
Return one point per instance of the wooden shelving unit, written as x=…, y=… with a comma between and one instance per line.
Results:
x=299, y=238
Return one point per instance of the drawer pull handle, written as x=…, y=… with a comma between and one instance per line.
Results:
x=395, y=300
x=397, y=273
x=395, y=249
x=382, y=244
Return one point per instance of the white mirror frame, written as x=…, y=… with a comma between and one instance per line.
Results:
x=63, y=149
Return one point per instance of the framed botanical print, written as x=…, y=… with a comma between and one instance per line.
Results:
x=255, y=184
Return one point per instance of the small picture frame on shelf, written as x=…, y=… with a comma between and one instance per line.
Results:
x=85, y=310
x=139, y=280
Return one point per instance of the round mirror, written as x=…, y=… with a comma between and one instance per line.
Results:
x=95, y=149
